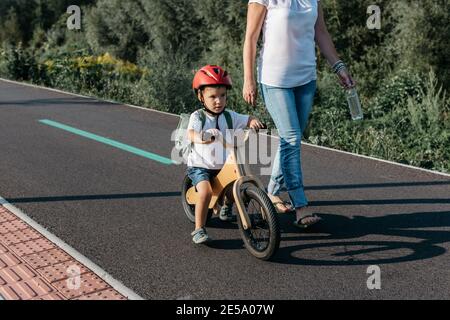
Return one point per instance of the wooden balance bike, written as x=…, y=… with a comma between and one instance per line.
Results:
x=256, y=215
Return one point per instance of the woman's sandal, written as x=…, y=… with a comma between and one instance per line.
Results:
x=286, y=204
x=314, y=219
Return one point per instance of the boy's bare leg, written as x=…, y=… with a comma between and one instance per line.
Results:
x=201, y=207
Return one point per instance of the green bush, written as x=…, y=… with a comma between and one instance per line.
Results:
x=397, y=90
x=168, y=86
x=407, y=114
x=410, y=123
x=20, y=64
x=3, y=64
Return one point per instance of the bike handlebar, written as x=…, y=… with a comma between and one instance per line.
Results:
x=246, y=131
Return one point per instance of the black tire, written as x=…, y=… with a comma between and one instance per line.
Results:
x=265, y=248
x=189, y=210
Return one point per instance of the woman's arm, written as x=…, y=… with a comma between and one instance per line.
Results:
x=324, y=41
x=255, y=19
x=326, y=45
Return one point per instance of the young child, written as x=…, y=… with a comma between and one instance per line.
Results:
x=207, y=157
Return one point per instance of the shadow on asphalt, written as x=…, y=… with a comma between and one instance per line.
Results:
x=227, y=244
x=334, y=242
x=178, y=194
x=379, y=185
x=57, y=101
x=95, y=197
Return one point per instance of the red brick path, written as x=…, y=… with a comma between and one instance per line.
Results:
x=33, y=268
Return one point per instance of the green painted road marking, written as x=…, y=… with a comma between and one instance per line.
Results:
x=109, y=142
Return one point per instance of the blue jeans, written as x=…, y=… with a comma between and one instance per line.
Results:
x=290, y=109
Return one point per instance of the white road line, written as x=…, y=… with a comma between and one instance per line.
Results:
x=174, y=115
x=117, y=285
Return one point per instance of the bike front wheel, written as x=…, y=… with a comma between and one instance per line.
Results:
x=262, y=239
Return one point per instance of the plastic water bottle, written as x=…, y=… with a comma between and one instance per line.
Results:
x=354, y=104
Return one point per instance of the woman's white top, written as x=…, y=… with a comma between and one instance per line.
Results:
x=288, y=56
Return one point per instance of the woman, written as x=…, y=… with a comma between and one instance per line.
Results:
x=287, y=78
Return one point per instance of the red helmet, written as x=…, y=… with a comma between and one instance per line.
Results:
x=211, y=76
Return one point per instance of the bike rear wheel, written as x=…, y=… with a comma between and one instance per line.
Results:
x=262, y=239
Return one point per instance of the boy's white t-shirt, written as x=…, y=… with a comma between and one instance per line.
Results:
x=212, y=156
x=288, y=56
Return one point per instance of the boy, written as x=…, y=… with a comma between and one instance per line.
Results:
x=207, y=157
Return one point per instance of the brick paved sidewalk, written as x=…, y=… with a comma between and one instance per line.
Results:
x=33, y=268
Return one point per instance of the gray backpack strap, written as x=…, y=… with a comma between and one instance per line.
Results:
x=202, y=116
x=229, y=119
x=226, y=114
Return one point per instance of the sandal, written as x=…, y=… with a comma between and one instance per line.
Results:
x=286, y=204
x=313, y=218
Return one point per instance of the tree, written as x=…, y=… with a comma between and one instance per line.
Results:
x=127, y=27
x=11, y=30
x=114, y=26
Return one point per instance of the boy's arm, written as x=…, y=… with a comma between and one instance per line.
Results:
x=195, y=134
x=250, y=119
x=242, y=121
x=198, y=137
x=254, y=123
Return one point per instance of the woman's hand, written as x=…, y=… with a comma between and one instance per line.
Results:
x=346, y=79
x=250, y=92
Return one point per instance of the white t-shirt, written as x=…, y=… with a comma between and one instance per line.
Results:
x=288, y=56
x=212, y=156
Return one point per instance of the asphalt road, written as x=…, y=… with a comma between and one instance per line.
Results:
x=123, y=211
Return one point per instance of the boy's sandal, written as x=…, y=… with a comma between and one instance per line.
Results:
x=286, y=204
x=303, y=225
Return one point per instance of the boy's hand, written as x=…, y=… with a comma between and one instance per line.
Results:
x=254, y=123
x=210, y=134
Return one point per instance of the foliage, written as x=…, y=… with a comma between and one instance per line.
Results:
x=145, y=53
